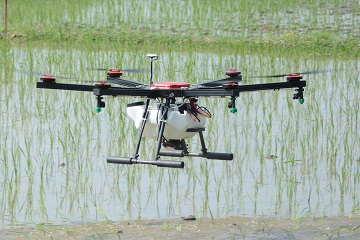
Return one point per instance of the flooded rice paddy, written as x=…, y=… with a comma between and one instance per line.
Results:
x=291, y=160
x=222, y=228
x=196, y=18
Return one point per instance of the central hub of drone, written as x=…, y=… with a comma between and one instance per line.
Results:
x=170, y=85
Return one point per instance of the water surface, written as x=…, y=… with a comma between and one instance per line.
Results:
x=54, y=144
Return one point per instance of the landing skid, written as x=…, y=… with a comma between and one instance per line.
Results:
x=175, y=148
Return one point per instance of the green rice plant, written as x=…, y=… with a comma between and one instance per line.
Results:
x=289, y=24
x=55, y=139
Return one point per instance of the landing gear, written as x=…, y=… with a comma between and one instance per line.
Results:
x=172, y=147
x=181, y=149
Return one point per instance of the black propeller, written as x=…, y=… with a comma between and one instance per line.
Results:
x=113, y=77
x=234, y=77
x=130, y=70
x=114, y=74
x=35, y=73
x=126, y=83
x=285, y=75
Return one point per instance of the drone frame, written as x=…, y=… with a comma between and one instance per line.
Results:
x=230, y=89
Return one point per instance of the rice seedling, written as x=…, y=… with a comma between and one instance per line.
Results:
x=53, y=143
x=237, y=25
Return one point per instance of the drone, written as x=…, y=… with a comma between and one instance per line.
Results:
x=170, y=112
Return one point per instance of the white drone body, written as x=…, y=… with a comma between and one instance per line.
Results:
x=177, y=122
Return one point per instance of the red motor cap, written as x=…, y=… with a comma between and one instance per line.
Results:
x=233, y=72
x=102, y=84
x=114, y=72
x=47, y=78
x=294, y=77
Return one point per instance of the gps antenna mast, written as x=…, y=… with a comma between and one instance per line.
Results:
x=153, y=57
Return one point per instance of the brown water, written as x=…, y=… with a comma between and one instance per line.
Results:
x=222, y=228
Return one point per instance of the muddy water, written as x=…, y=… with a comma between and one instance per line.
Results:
x=222, y=228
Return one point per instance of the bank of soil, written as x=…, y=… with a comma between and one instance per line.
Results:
x=222, y=228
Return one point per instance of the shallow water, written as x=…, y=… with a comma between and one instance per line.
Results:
x=53, y=144
x=222, y=228
x=197, y=18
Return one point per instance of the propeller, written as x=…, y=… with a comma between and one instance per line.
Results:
x=234, y=77
x=35, y=73
x=288, y=74
x=113, y=77
x=126, y=83
x=129, y=70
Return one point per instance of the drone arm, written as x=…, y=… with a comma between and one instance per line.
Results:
x=235, y=90
x=125, y=82
x=120, y=91
x=196, y=92
x=63, y=86
x=271, y=86
x=218, y=82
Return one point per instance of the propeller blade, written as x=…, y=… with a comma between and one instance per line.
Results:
x=285, y=75
x=129, y=70
x=139, y=70
x=118, y=81
x=219, y=82
x=234, y=77
x=35, y=73
x=126, y=83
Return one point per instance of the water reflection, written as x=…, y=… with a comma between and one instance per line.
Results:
x=53, y=144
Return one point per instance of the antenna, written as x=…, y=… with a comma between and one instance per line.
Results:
x=153, y=57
